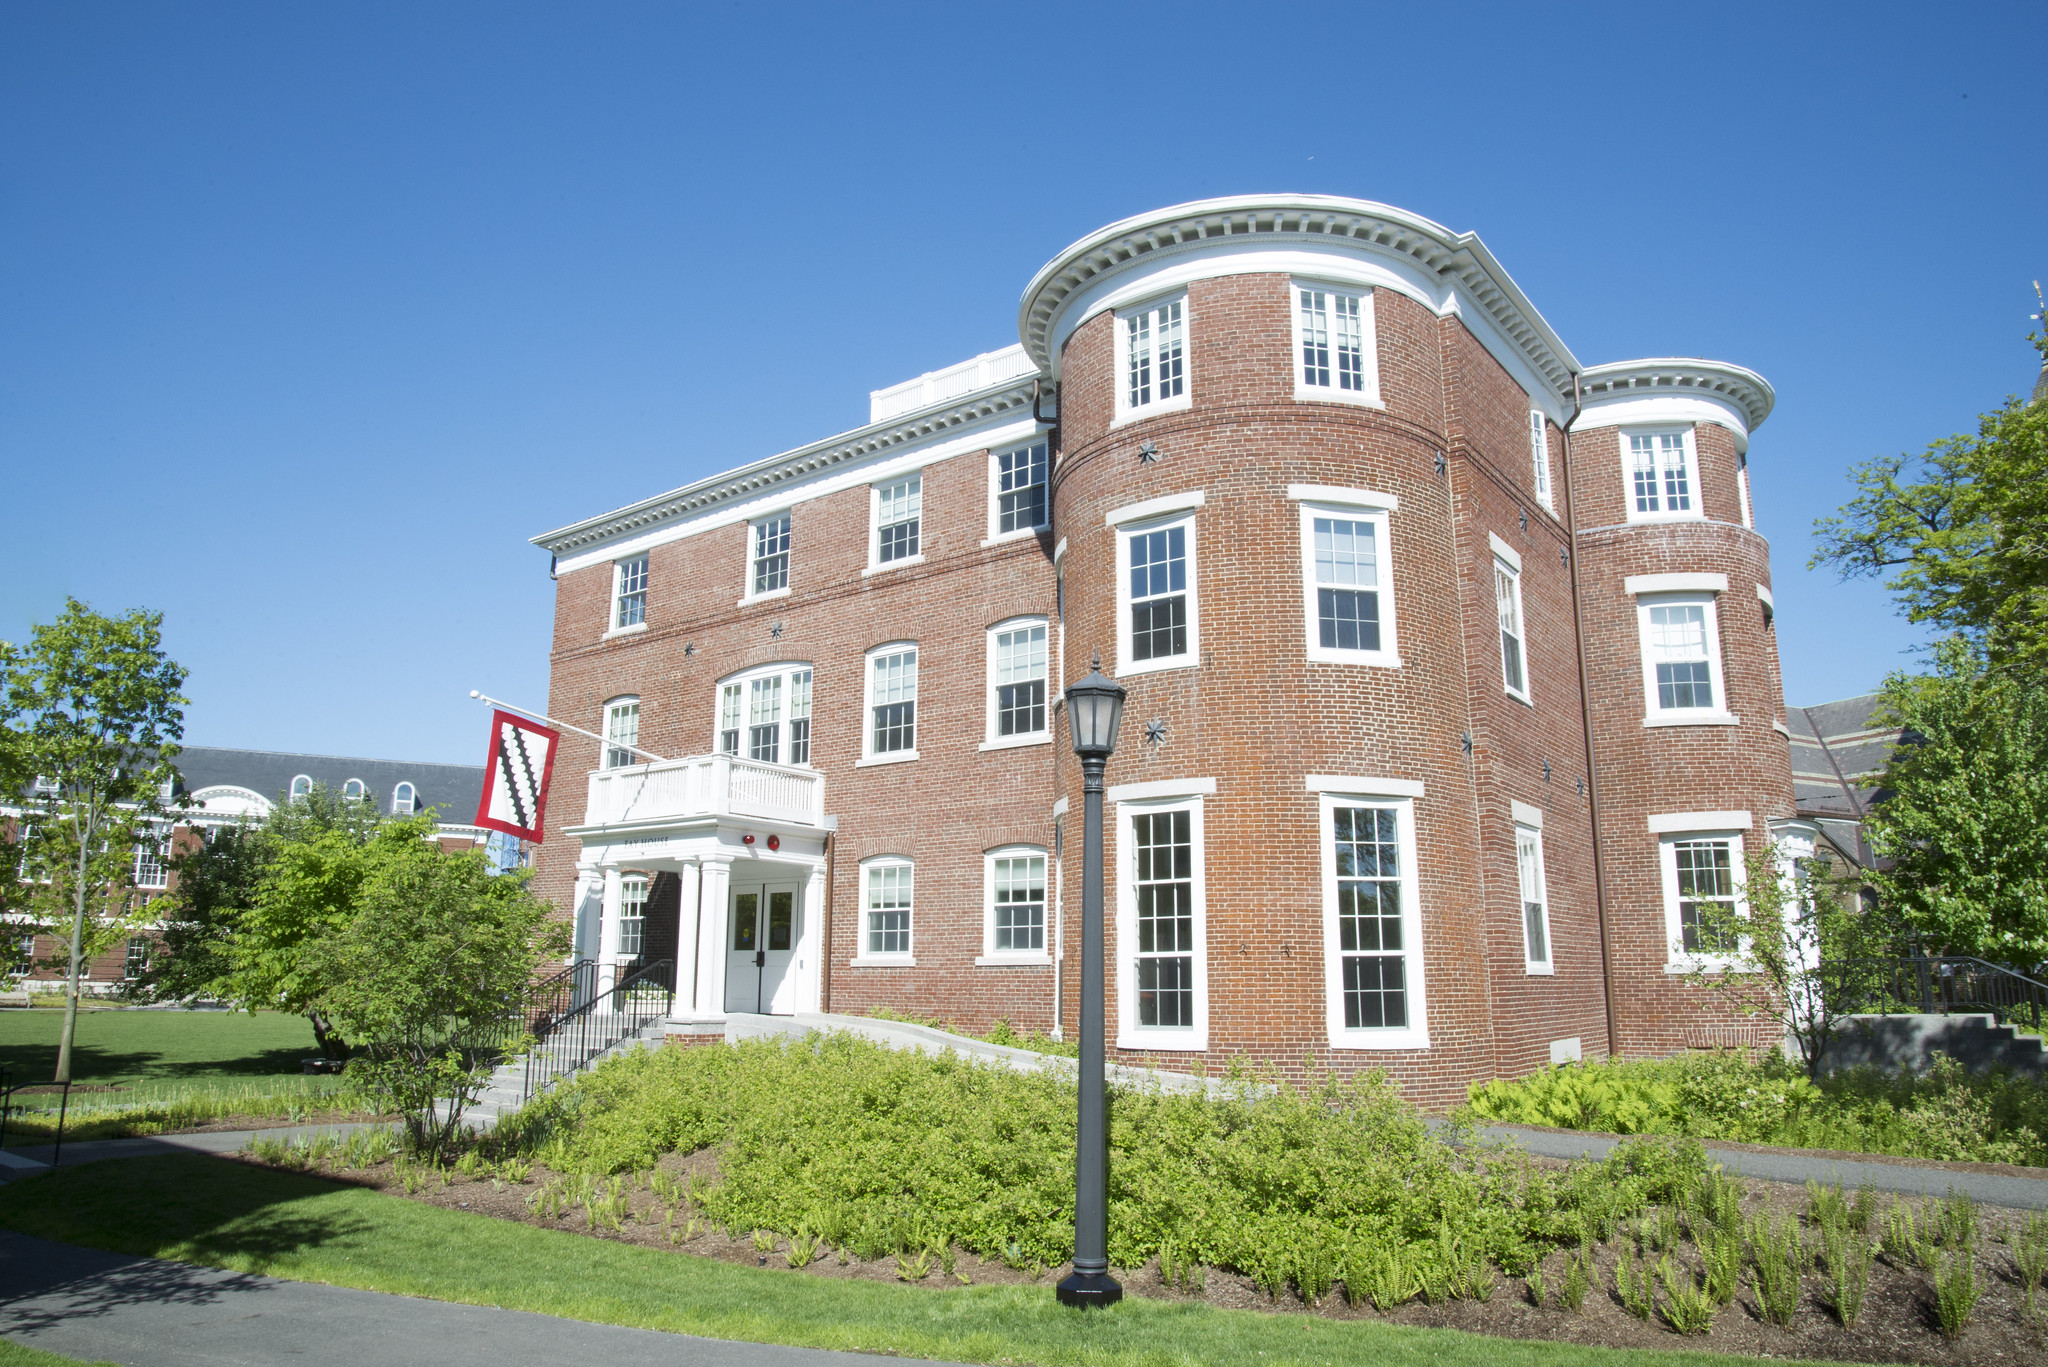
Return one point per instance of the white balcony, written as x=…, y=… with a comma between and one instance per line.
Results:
x=703, y=787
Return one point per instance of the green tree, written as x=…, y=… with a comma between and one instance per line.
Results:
x=423, y=976
x=98, y=714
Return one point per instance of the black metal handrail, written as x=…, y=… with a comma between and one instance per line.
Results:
x=600, y=1021
x=536, y=1009
x=1938, y=985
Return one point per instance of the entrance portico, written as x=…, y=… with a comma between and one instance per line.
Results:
x=746, y=842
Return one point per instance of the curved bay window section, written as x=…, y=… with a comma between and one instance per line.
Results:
x=1372, y=929
x=765, y=714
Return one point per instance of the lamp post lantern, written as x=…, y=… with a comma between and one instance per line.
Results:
x=1095, y=708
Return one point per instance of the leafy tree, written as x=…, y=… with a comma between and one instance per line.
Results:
x=422, y=975
x=99, y=715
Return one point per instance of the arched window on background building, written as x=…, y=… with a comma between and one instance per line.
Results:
x=404, y=799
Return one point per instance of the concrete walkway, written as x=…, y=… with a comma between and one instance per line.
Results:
x=149, y=1313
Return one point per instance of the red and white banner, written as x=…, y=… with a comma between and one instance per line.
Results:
x=522, y=761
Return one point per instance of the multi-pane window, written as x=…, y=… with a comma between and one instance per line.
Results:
x=405, y=799
x=1017, y=896
x=729, y=718
x=1539, y=455
x=766, y=715
x=138, y=957
x=621, y=732
x=892, y=700
x=1659, y=472
x=1019, y=667
x=899, y=510
x=1159, y=593
x=771, y=554
x=800, y=717
x=1020, y=488
x=1705, y=885
x=1164, y=884
x=764, y=719
x=632, y=915
x=1332, y=333
x=150, y=869
x=1347, y=583
x=1507, y=599
x=1154, y=356
x=1371, y=944
x=1535, y=901
x=1675, y=640
x=630, y=595
x=888, y=908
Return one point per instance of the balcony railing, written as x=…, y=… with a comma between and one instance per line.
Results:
x=705, y=786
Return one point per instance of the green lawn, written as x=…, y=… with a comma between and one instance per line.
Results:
x=203, y=1210
x=14, y=1354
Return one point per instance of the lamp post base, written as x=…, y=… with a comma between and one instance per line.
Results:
x=1090, y=1288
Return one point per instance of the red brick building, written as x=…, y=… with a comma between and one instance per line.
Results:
x=1453, y=688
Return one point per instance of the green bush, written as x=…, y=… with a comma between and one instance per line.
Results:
x=1944, y=1114
x=907, y=1151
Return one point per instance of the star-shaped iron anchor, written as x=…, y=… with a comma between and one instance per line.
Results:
x=1147, y=453
x=1155, y=731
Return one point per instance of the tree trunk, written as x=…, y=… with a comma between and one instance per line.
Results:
x=332, y=1045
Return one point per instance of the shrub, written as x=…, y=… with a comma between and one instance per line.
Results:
x=1956, y=1292
x=1778, y=1255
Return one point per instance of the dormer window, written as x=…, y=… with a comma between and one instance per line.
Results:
x=1661, y=474
x=629, y=593
x=302, y=788
x=355, y=789
x=404, y=800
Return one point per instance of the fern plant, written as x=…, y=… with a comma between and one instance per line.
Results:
x=1956, y=1292
x=1687, y=1306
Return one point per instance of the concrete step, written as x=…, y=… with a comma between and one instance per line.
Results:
x=1977, y=1040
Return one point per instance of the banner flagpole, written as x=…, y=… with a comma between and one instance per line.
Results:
x=544, y=717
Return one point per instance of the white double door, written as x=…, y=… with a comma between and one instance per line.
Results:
x=765, y=922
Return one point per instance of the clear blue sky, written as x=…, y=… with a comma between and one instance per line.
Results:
x=313, y=314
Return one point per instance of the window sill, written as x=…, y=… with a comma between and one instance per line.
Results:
x=1015, y=742
x=1005, y=538
x=1315, y=393
x=1378, y=659
x=1638, y=519
x=1682, y=966
x=905, y=563
x=633, y=630
x=1408, y=1038
x=1013, y=961
x=1157, y=666
x=1539, y=970
x=1522, y=698
x=893, y=757
x=1126, y=416
x=767, y=597
x=1189, y=1041
x=1691, y=719
x=882, y=961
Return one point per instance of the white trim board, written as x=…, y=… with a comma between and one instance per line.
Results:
x=1676, y=583
x=1155, y=507
x=1162, y=787
x=1671, y=823
x=1365, y=787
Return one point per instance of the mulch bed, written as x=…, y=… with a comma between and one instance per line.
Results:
x=1898, y=1323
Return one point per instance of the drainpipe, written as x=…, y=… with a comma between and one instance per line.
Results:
x=825, y=930
x=1586, y=727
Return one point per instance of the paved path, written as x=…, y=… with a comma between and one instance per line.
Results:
x=35, y=1158
x=148, y=1313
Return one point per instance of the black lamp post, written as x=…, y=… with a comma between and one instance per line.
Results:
x=1095, y=708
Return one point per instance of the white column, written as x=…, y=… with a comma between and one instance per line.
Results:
x=608, y=929
x=811, y=944
x=689, y=878
x=716, y=887
x=586, y=907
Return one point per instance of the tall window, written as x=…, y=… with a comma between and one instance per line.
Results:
x=1154, y=356
x=1371, y=927
x=1539, y=455
x=1700, y=883
x=1535, y=900
x=1507, y=599
x=729, y=718
x=629, y=595
x=800, y=717
x=1020, y=489
x=405, y=799
x=1016, y=884
x=1681, y=658
x=1158, y=593
x=771, y=555
x=632, y=915
x=1331, y=331
x=1164, y=886
x=765, y=714
x=1017, y=664
x=1660, y=473
x=621, y=732
x=764, y=719
x=150, y=869
x=888, y=902
x=1346, y=585
x=899, y=510
x=892, y=702
x=138, y=958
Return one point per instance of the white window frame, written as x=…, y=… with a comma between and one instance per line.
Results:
x=1529, y=834
x=755, y=528
x=1414, y=1035
x=799, y=687
x=634, y=891
x=1678, y=960
x=356, y=789
x=1369, y=365
x=1507, y=568
x=1126, y=411
x=1192, y=655
x=1653, y=713
x=411, y=800
x=868, y=753
x=295, y=793
x=1042, y=448
x=1379, y=516
x=991, y=740
x=1661, y=513
x=876, y=564
x=1130, y=1034
x=134, y=965
x=624, y=595
x=1539, y=456
x=1742, y=491
x=152, y=855
x=904, y=958
x=991, y=957
x=616, y=744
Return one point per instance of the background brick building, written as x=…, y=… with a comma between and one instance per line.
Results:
x=1442, y=722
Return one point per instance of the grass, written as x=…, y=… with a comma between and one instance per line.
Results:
x=204, y=1210
x=17, y=1354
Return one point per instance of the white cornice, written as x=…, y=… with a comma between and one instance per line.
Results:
x=751, y=482
x=1454, y=258
x=1680, y=376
